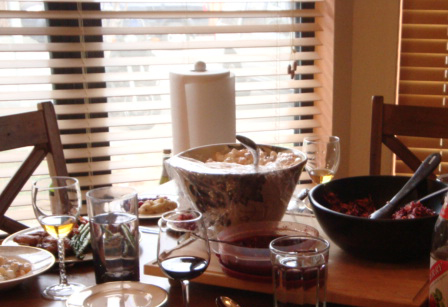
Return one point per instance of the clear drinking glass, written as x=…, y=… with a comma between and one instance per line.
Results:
x=183, y=250
x=323, y=156
x=56, y=203
x=113, y=216
x=300, y=269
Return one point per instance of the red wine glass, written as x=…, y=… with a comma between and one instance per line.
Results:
x=183, y=250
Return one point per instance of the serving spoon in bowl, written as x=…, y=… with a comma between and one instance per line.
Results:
x=251, y=146
x=423, y=171
x=445, y=189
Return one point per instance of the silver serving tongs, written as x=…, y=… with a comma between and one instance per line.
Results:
x=423, y=171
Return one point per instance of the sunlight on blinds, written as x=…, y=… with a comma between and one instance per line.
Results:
x=424, y=69
x=106, y=64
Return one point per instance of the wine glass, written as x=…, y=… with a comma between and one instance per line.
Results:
x=323, y=155
x=56, y=203
x=183, y=250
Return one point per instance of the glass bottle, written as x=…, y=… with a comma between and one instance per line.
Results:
x=438, y=273
x=166, y=155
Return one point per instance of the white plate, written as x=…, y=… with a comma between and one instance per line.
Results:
x=9, y=241
x=119, y=293
x=156, y=215
x=40, y=259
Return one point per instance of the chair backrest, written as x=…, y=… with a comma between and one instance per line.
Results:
x=38, y=129
x=390, y=121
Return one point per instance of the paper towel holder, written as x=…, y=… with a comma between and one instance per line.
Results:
x=200, y=66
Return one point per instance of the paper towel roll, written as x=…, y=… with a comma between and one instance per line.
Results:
x=202, y=107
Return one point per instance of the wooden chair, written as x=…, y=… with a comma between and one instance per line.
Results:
x=40, y=130
x=390, y=121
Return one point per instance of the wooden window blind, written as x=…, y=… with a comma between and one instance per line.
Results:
x=423, y=69
x=105, y=64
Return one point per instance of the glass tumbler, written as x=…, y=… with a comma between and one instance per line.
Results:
x=299, y=268
x=113, y=215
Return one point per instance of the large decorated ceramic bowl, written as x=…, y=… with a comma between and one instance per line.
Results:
x=230, y=193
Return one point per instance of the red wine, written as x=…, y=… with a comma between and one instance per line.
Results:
x=258, y=241
x=184, y=267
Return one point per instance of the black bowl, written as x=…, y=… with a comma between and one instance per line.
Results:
x=380, y=240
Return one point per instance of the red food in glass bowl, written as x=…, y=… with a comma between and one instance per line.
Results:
x=243, y=250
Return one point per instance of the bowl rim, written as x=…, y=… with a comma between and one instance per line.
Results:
x=304, y=253
x=276, y=226
x=175, y=161
x=281, y=226
x=314, y=203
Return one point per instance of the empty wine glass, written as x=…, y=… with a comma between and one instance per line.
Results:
x=183, y=250
x=323, y=155
x=56, y=203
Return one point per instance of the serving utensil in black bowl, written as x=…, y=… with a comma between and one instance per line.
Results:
x=423, y=171
x=384, y=240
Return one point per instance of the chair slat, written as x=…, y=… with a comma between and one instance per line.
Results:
x=39, y=129
x=390, y=121
x=22, y=130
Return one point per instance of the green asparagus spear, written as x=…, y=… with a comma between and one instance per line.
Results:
x=75, y=238
x=80, y=252
x=81, y=241
x=129, y=237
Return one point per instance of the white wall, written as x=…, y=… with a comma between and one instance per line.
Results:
x=366, y=46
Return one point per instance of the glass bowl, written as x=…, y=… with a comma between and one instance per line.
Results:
x=243, y=250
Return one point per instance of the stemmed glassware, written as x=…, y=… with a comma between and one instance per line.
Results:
x=56, y=203
x=183, y=250
x=323, y=154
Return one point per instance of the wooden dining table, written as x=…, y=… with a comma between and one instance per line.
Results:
x=28, y=293
x=351, y=281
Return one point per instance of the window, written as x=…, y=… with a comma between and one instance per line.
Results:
x=105, y=65
x=423, y=75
